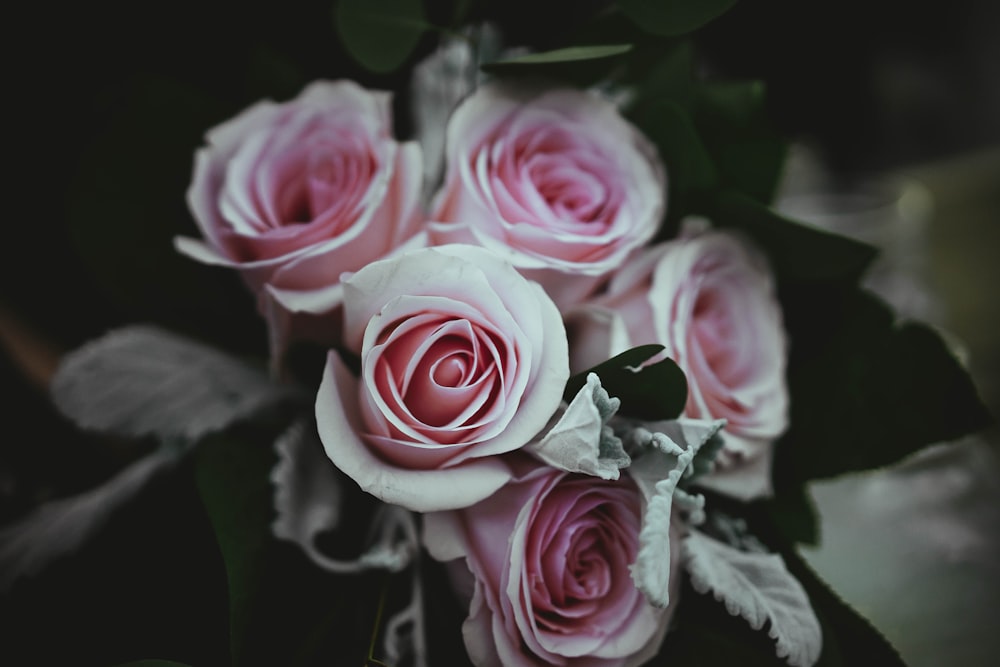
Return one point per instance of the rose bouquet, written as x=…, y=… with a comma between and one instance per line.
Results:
x=545, y=383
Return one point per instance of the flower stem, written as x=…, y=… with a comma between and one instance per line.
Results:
x=370, y=660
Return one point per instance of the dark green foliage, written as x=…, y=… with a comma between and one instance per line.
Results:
x=656, y=391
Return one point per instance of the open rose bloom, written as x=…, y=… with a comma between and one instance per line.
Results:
x=555, y=181
x=710, y=299
x=462, y=360
x=550, y=555
x=294, y=194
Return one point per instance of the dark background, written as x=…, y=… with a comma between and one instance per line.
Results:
x=106, y=103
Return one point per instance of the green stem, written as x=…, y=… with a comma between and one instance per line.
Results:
x=370, y=660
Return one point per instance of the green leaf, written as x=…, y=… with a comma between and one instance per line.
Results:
x=798, y=253
x=793, y=513
x=568, y=54
x=232, y=479
x=673, y=17
x=380, y=34
x=152, y=663
x=746, y=147
x=284, y=610
x=576, y=65
x=866, y=391
x=657, y=391
x=670, y=78
x=689, y=166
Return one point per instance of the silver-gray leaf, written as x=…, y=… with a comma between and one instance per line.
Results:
x=758, y=587
x=61, y=526
x=141, y=380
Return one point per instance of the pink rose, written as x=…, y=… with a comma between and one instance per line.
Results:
x=294, y=194
x=556, y=181
x=710, y=299
x=550, y=555
x=462, y=359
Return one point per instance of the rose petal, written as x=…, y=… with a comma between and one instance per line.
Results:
x=337, y=414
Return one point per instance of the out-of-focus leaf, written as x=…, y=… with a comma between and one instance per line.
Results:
x=380, y=34
x=866, y=390
x=141, y=380
x=689, y=166
x=283, y=609
x=747, y=149
x=152, y=663
x=579, y=66
x=669, y=78
x=654, y=392
x=59, y=527
x=565, y=55
x=232, y=479
x=673, y=17
x=798, y=253
x=792, y=511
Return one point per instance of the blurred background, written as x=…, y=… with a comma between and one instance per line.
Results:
x=894, y=108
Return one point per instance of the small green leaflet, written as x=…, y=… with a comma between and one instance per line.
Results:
x=657, y=391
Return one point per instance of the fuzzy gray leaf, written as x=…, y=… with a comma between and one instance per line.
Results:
x=61, y=526
x=579, y=438
x=308, y=500
x=142, y=380
x=758, y=587
x=307, y=490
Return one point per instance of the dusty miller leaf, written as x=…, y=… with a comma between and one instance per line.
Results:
x=141, y=380
x=580, y=440
x=307, y=500
x=663, y=458
x=759, y=588
x=61, y=526
x=307, y=490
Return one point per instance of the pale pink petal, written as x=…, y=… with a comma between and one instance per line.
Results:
x=418, y=490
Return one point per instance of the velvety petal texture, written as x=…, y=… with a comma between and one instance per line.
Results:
x=294, y=194
x=710, y=299
x=462, y=359
x=555, y=180
x=550, y=554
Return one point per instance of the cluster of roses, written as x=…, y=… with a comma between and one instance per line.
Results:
x=469, y=314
